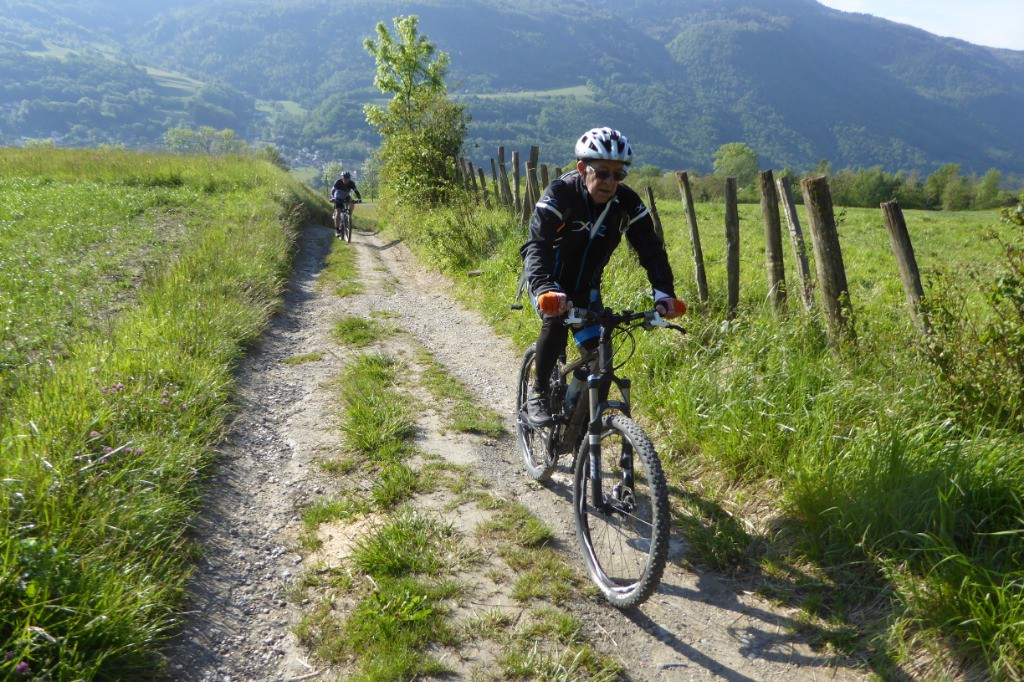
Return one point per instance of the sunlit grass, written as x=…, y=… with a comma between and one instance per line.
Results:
x=110, y=412
x=852, y=456
x=465, y=412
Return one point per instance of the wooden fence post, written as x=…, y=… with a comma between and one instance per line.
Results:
x=899, y=239
x=545, y=179
x=532, y=183
x=483, y=188
x=517, y=206
x=732, y=246
x=796, y=236
x=506, y=189
x=653, y=208
x=471, y=173
x=698, y=253
x=835, y=292
x=532, y=195
x=494, y=183
x=773, y=241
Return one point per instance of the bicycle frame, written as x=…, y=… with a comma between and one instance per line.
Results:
x=597, y=382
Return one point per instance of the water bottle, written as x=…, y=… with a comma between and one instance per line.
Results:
x=572, y=394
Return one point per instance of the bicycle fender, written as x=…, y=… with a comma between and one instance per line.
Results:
x=601, y=420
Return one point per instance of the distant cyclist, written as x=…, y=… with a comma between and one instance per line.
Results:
x=576, y=225
x=341, y=193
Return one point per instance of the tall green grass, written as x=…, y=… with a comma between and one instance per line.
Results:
x=136, y=281
x=879, y=480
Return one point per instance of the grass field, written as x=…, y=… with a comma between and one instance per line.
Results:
x=579, y=92
x=877, y=485
x=130, y=286
x=174, y=82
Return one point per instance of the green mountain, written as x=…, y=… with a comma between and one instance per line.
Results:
x=796, y=81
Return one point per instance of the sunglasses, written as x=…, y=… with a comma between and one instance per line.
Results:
x=604, y=174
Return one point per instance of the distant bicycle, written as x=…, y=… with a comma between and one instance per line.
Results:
x=343, y=217
x=620, y=498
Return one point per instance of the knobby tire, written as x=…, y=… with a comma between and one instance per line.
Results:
x=532, y=442
x=625, y=550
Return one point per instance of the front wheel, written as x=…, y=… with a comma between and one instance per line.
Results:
x=348, y=226
x=532, y=441
x=624, y=534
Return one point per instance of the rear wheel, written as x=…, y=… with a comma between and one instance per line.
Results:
x=624, y=537
x=532, y=440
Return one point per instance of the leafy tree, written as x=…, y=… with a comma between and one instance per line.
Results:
x=935, y=185
x=331, y=172
x=910, y=191
x=736, y=160
x=205, y=140
x=988, y=193
x=422, y=129
x=958, y=194
x=271, y=153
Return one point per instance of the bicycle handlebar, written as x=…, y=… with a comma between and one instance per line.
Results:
x=650, y=318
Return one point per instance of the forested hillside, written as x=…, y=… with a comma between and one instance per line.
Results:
x=794, y=80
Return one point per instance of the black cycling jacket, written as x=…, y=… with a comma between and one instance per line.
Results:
x=343, y=191
x=565, y=253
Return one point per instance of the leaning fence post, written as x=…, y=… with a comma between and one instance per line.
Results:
x=653, y=208
x=483, y=188
x=828, y=256
x=899, y=239
x=732, y=246
x=506, y=190
x=796, y=236
x=698, y=253
x=773, y=241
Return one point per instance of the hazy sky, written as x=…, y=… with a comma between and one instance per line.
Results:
x=996, y=23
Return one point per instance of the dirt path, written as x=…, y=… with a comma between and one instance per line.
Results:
x=697, y=626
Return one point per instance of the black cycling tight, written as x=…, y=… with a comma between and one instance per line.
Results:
x=550, y=344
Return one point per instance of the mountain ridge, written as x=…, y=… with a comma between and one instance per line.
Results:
x=796, y=81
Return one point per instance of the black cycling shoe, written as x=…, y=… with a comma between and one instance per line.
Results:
x=537, y=409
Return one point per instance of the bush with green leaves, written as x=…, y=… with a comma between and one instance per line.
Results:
x=422, y=129
x=979, y=354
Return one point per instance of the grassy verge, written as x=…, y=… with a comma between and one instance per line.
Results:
x=853, y=482
x=465, y=414
x=111, y=410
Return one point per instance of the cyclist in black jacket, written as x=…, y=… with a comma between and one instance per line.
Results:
x=341, y=193
x=575, y=227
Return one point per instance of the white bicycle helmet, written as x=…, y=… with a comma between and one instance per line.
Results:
x=604, y=144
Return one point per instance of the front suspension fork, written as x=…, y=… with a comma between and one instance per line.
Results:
x=594, y=428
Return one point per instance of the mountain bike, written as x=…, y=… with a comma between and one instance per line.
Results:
x=620, y=498
x=343, y=219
